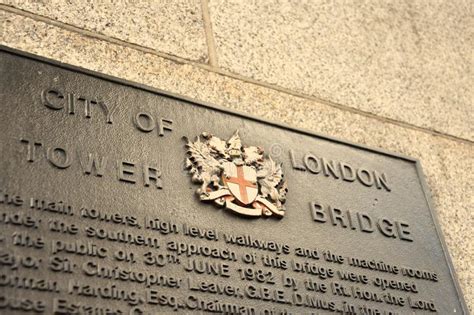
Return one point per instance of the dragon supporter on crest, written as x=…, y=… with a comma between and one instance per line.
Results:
x=237, y=177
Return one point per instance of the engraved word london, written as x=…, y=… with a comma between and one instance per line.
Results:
x=98, y=215
x=236, y=177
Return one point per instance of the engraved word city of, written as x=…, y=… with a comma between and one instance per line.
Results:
x=117, y=199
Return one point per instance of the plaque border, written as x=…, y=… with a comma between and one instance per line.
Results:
x=191, y=101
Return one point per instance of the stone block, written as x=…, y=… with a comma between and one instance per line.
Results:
x=171, y=27
x=407, y=61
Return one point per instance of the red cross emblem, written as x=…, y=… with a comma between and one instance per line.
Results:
x=241, y=181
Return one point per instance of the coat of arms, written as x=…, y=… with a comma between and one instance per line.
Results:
x=237, y=177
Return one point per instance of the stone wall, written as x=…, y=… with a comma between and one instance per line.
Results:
x=390, y=74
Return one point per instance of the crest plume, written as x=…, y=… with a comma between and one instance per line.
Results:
x=235, y=145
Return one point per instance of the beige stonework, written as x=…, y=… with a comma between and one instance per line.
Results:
x=407, y=61
x=173, y=27
x=446, y=154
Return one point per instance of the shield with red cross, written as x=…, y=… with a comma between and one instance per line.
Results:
x=241, y=181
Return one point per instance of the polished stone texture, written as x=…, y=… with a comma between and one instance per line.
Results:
x=447, y=163
x=174, y=27
x=405, y=60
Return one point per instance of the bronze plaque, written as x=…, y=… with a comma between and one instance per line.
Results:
x=116, y=198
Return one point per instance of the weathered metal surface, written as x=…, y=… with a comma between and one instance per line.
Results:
x=120, y=199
